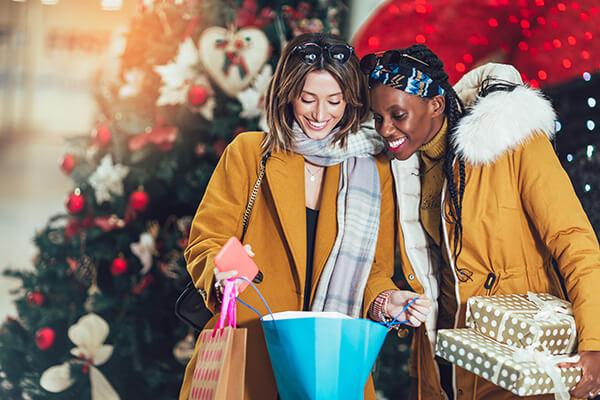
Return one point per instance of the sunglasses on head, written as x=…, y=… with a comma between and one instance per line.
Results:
x=312, y=52
x=370, y=61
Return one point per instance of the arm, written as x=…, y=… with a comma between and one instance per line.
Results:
x=380, y=278
x=549, y=199
x=220, y=212
x=382, y=297
x=558, y=217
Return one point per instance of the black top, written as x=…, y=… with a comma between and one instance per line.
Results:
x=311, y=231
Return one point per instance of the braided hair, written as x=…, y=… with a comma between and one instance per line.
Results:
x=454, y=111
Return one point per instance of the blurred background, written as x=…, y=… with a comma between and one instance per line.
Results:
x=111, y=120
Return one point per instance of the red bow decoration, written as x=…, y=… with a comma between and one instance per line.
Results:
x=160, y=135
x=247, y=15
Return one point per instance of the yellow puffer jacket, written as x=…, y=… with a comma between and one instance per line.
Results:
x=277, y=233
x=518, y=213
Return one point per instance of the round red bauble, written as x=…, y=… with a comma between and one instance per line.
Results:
x=102, y=134
x=35, y=299
x=75, y=202
x=139, y=200
x=67, y=163
x=118, y=266
x=197, y=95
x=44, y=338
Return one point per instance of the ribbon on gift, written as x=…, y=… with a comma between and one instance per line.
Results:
x=544, y=361
x=553, y=311
x=548, y=363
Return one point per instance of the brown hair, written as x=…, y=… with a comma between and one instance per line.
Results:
x=288, y=81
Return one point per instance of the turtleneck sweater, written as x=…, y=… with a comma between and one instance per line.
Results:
x=431, y=156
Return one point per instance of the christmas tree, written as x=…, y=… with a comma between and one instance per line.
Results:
x=95, y=315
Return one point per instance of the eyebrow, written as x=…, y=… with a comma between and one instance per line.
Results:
x=331, y=95
x=390, y=108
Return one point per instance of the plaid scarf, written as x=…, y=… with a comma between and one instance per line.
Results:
x=344, y=278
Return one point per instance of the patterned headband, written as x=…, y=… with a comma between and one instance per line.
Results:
x=405, y=78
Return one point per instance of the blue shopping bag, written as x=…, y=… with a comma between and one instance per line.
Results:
x=321, y=355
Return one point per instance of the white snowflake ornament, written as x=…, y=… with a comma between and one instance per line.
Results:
x=107, y=180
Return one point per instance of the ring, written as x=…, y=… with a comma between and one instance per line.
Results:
x=592, y=395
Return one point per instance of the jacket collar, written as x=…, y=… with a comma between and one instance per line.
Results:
x=502, y=121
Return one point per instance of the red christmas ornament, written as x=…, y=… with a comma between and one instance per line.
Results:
x=139, y=200
x=102, y=134
x=75, y=202
x=118, y=266
x=44, y=338
x=67, y=163
x=197, y=95
x=35, y=299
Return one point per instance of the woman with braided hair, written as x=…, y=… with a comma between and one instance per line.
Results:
x=483, y=206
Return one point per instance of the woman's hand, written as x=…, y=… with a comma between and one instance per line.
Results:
x=415, y=314
x=589, y=385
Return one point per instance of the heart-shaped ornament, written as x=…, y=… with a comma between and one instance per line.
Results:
x=233, y=58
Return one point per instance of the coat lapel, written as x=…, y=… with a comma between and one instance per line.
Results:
x=327, y=223
x=285, y=177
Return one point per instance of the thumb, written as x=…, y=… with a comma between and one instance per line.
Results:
x=248, y=249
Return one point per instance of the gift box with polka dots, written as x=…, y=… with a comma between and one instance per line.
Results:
x=524, y=372
x=538, y=321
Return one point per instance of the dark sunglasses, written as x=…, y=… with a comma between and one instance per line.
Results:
x=370, y=61
x=311, y=52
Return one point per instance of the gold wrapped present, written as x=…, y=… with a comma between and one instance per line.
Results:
x=538, y=321
x=524, y=372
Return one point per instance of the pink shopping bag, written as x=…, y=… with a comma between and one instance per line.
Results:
x=221, y=362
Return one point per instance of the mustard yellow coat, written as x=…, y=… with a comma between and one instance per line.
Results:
x=518, y=213
x=277, y=234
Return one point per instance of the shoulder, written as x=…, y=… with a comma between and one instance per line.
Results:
x=247, y=146
x=383, y=167
x=248, y=141
x=501, y=122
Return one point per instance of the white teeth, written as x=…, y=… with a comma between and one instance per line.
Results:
x=317, y=124
x=397, y=142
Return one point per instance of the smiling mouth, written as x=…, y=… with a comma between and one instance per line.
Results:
x=395, y=144
x=317, y=125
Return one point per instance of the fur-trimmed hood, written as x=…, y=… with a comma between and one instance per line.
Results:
x=500, y=122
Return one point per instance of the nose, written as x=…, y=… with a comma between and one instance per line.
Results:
x=320, y=111
x=387, y=128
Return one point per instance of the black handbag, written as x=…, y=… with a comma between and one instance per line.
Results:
x=190, y=306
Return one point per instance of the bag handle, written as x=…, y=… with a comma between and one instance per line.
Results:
x=389, y=325
x=227, y=307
